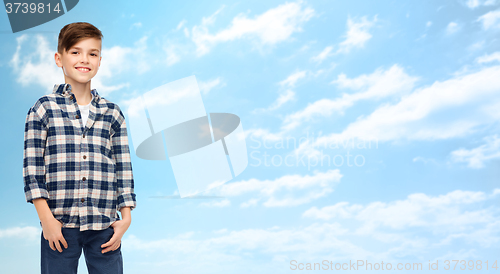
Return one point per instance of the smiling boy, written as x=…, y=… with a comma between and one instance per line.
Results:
x=77, y=168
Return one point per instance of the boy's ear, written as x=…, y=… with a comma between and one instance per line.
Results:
x=57, y=58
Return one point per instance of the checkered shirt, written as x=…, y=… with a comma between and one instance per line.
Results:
x=84, y=171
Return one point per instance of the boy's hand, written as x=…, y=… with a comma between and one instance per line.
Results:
x=52, y=232
x=120, y=227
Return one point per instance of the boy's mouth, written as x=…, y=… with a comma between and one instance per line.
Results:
x=83, y=69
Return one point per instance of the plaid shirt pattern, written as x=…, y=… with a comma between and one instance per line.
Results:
x=84, y=171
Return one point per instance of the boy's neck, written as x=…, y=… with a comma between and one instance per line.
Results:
x=81, y=92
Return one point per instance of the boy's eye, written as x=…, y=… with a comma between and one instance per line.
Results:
x=93, y=54
x=74, y=52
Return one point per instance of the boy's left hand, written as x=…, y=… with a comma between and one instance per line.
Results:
x=120, y=227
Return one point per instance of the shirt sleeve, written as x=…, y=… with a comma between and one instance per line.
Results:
x=123, y=165
x=35, y=136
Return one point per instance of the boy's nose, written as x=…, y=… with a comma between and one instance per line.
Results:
x=85, y=59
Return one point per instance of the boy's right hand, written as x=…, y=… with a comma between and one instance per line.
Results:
x=52, y=233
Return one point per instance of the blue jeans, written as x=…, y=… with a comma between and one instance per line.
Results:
x=90, y=241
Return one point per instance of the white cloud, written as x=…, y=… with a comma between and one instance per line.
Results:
x=249, y=203
x=33, y=63
x=269, y=28
x=462, y=103
x=421, y=37
x=428, y=24
x=472, y=4
x=173, y=53
x=136, y=25
x=27, y=232
x=119, y=60
x=381, y=83
x=181, y=24
x=292, y=79
x=476, y=157
x=495, y=56
x=327, y=52
x=285, y=97
x=477, y=46
x=288, y=190
x=453, y=212
x=373, y=84
x=490, y=20
x=452, y=27
x=357, y=34
x=207, y=86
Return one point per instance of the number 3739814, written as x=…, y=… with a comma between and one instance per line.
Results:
x=31, y=8
x=470, y=264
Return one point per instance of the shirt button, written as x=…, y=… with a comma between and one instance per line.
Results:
x=84, y=157
x=83, y=179
x=71, y=97
x=77, y=116
x=83, y=200
x=83, y=135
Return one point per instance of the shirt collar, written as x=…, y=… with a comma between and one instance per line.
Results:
x=65, y=90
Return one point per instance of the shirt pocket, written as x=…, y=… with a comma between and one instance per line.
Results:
x=100, y=137
x=60, y=118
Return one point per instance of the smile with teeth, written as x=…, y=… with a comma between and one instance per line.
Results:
x=83, y=69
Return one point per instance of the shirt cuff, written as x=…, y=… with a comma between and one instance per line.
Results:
x=34, y=191
x=126, y=199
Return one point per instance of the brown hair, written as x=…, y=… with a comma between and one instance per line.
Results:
x=74, y=33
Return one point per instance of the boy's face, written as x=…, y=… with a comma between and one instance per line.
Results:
x=81, y=62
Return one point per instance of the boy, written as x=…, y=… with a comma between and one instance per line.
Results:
x=77, y=169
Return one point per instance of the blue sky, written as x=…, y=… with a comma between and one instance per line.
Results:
x=402, y=96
